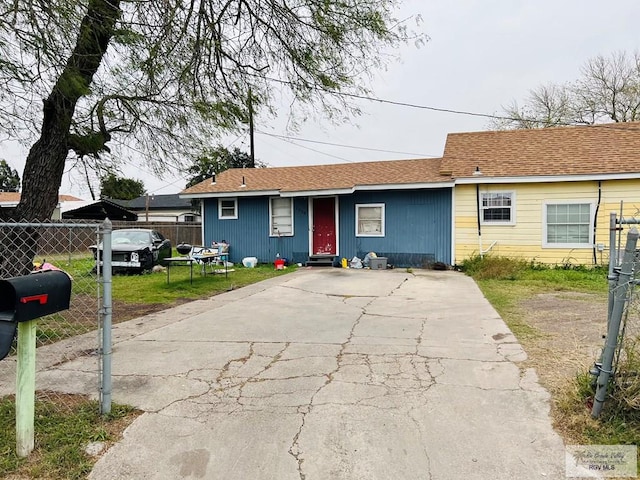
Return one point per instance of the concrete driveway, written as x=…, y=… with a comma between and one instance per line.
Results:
x=327, y=374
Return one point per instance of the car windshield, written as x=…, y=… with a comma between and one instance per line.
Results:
x=124, y=236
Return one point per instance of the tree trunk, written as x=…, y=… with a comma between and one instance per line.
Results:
x=45, y=162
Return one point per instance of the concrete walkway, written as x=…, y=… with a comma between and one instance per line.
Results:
x=327, y=374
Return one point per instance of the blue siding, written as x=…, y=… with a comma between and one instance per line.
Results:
x=248, y=235
x=417, y=228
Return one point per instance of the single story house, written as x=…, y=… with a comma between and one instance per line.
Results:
x=542, y=195
x=161, y=208
x=11, y=199
x=398, y=209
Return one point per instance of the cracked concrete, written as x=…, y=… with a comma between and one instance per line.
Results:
x=326, y=374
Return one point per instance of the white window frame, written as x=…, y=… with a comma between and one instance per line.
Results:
x=382, y=223
x=512, y=208
x=235, y=209
x=272, y=232
x=592, y=209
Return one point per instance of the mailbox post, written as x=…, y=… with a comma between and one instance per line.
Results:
x=22, y=301
x=26, y=388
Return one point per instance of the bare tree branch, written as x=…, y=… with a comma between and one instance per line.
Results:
x=608, y=90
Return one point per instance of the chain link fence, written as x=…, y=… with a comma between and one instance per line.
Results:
x=617, y=371
x=63, y=336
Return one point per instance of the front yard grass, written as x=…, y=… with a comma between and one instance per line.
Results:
x=63, y=431
x=152, y=287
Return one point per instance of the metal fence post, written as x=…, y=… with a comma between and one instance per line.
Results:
x=621, y=294
x=613, y=261
x=107, y=310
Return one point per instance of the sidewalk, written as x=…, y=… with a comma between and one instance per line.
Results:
x=327, y=374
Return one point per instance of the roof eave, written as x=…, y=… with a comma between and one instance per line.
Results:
x=234, y=193
x=407, y=186
x=322, y=192
x=546, y=178
x=370, y=187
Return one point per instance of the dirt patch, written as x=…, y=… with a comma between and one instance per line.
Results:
x=126, y=311
x=570, y=328
x=84, y=307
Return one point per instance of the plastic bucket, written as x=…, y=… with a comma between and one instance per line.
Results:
x=249, y=262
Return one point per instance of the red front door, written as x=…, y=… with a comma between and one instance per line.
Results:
x=324, y=226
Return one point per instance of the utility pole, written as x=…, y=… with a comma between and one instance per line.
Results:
x=252, y=152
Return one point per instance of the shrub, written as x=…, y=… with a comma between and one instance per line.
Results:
x=493, y=267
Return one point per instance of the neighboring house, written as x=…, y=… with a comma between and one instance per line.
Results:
x=11, y=199
x=161, y=208
x=398, y=209
x=543, y=195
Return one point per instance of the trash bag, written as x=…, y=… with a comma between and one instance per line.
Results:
x=355, y=263
x=368, y=257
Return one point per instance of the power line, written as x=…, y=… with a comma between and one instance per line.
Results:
x=617, y=125
x=285, y=139
x=355, y=147
x=406, y=104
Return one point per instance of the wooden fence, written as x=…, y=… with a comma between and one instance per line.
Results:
x=54, y=240
x=177, y=232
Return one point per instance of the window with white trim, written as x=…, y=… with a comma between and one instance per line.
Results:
x=370, y=220
x=498, y=208
x=227, y=208
x=281, y=217
x=568, y=225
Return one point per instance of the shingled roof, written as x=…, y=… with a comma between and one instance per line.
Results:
x=344, y=178
x=548, y=154
x=155, y=202
x=15, y=197
x=561, y=151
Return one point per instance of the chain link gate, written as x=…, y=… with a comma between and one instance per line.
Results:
x=617, y=371
x=79, y=331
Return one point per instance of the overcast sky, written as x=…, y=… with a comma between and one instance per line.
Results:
x=482, y=54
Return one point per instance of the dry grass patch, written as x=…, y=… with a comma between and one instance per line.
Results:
x=64, y=427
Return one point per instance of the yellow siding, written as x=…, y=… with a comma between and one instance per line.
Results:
x=525, y=238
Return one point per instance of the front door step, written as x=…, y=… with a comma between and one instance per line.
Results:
x=320, y=261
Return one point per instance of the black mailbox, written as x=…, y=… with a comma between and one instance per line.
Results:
x=28, y=297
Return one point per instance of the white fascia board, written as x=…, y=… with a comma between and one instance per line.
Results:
x=238, y=193
x=318, y=193
x=406, y=186
x=547, y=179
x=386, y=186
